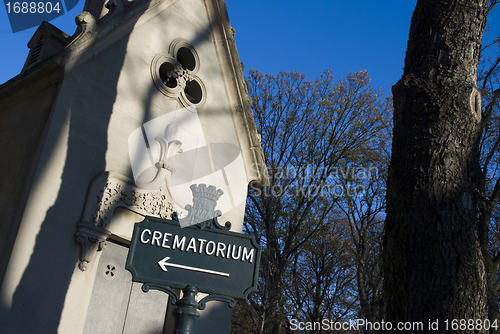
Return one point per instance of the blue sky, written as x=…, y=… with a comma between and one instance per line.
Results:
x=286, y=35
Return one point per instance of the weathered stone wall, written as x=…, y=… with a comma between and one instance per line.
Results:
x=24, y=113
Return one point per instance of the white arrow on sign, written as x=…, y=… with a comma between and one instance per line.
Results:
x=163, y=264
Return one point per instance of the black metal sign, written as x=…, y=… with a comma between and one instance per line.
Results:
x=215, y=261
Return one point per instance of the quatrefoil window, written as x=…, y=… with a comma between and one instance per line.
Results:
x=175, y=74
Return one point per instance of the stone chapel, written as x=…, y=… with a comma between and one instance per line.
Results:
x=102, y=128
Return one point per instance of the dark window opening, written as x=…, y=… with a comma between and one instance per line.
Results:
x=186, y=58
x=193, y=92
x=167, y=75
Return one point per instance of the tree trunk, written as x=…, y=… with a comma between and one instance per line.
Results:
x=433, y=264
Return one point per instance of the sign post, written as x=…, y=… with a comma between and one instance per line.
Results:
x=206, y=257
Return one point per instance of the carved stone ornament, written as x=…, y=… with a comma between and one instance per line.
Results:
x=117, y=193
x=91, y=239
x=202, y=213
x=108, y=191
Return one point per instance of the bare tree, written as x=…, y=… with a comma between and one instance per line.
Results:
x=308, y=130
x=363, y=214
x=320, y=279
x=489, y=180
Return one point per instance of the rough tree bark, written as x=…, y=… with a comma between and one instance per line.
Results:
x=433, y=264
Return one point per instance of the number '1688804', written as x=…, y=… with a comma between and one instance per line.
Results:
x=470, y=324
x=32, y=7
